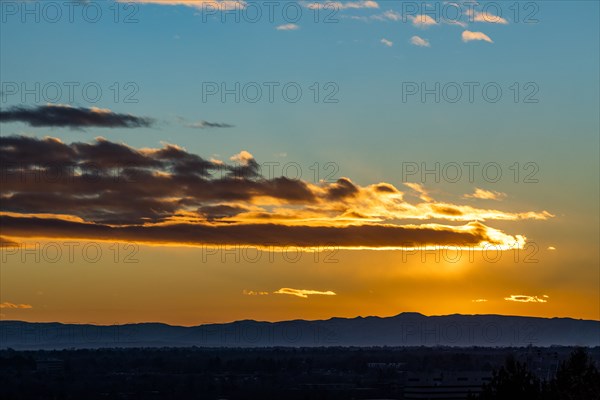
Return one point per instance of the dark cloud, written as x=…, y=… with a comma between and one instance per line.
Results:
x=341, y=189
x=103, y=154
x=250, y=169
x=446, y=210
x=385, y=188
x=275, y=235
x=113, y=183
x=107, y=190
x=72, y=117
x=28, y=152
x=220, y=211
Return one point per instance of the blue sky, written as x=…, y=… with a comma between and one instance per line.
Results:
x=172, y=50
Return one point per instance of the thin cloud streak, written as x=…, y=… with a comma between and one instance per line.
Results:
x=287, y=27
x=266, y=235
x=15, y=306
x=521, y=298
x=339, y=5
x=206, y=125
x=303, y=293
x=56, y=115
x=254, y=293
x=206, y=5
x=483, y=194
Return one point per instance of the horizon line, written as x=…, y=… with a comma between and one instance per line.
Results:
x=294, y=320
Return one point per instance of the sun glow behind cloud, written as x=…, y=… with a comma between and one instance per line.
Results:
x=170, y=196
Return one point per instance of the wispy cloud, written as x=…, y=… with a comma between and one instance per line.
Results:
x=289, y=291
x=419, y=21
x=386, y=42
x=56, y=115
x=389, y=15
x=15, y=306
x=422, y=21
x=254, y=293
x=520, y=298
x=222, y=5
x=420, y=190
x=485, y=195
x=485, y=16
x=479, y=301
x=338, y=5
x=206, y=124
x=287, y=27
x=468, y=36
x=455, y=22
x=303, y=292
x=419, y=41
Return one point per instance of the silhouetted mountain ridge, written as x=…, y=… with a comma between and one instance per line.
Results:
x=404, y=329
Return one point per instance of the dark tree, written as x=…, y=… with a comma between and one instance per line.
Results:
x=576, y=379
x=512, y=381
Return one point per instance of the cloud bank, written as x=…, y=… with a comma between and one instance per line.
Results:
x=105, y=190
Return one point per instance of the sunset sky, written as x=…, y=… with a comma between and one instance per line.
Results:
x=191, y=162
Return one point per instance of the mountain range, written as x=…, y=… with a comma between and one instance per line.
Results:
x=405, y=329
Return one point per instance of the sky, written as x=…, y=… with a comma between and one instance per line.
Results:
x=207, y=161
